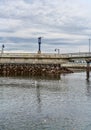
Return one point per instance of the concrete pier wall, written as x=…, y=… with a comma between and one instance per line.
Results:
x=14, y=64
x=31, y=58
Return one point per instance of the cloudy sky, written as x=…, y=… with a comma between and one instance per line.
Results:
x=63, y=24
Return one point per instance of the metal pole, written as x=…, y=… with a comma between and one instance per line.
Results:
x=39, y=43
x=2, y=48
x=89, y=46
x=57, y=50
x=88, y=70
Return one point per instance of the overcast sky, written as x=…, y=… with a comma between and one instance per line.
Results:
x=63, y=24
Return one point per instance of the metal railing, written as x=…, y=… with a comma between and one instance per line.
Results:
x=77, y=55
x=48, y=55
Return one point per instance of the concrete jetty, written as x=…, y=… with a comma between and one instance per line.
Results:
x=29, y=64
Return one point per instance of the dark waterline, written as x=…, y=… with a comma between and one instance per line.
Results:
x=43, y=104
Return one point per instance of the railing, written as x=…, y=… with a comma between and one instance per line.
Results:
x=76, y=55
x=48, y=55
x=31, y=55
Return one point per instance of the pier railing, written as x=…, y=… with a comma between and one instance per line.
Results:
x=48, y=55
x=32, y=55
x=76, y=55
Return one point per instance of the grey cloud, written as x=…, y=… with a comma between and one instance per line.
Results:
x=49, y=17
x=7, y=30
x=17, y=40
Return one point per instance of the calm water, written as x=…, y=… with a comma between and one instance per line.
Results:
x=42, y=104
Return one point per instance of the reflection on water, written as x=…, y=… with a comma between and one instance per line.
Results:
x=38, y=97
x=88, y=83
x=43, y=104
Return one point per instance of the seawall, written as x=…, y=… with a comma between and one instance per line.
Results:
x=27, y=64
x=13, y=69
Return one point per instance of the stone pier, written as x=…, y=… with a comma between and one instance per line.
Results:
x=12, y=69
x=22, y=64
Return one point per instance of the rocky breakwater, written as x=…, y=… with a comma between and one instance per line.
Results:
x=32, y=69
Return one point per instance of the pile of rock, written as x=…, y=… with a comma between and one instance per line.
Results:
x=32, y=69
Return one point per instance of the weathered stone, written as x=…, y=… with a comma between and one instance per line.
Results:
x=31, y=69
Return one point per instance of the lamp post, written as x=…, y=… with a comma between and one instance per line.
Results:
x=39, y=45
x=58, y=50
x=89, y=46
x=2, y=49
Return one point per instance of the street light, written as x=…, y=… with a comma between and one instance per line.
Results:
x=58, y=50
x=2, y=48
x=89, y=46
x=39, y=43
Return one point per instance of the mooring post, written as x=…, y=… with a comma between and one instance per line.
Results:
x=88, y=69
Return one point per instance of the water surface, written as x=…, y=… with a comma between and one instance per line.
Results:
x=45, y=104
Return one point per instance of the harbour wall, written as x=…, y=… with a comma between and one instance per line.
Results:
x=31, y=64
x=32, y=58
x=13, y=69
